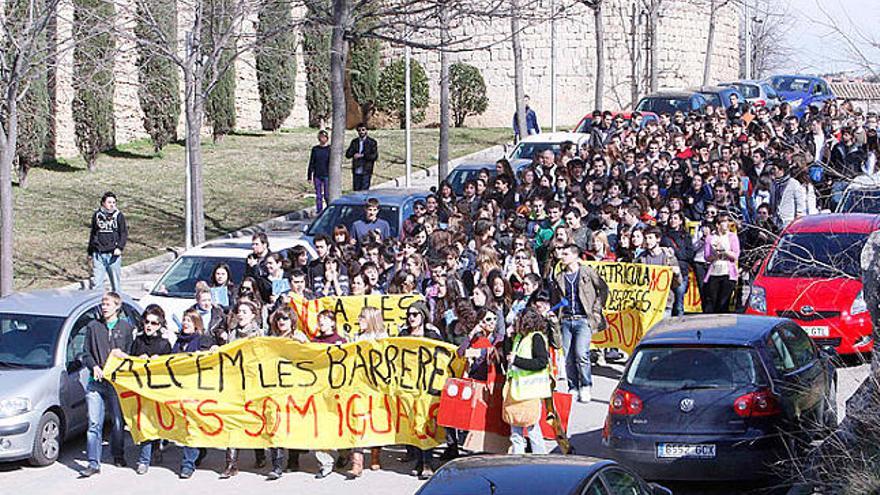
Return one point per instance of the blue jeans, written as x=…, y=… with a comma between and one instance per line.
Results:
x=321, y=195
x=100, y=400
x=188, y=463
x=680, y=291
x=361, y=182
x=146, y=454
x=106, y=264
x=518, y=440
x=576, y=336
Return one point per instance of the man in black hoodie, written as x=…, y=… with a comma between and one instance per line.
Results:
x=109, y=334
x=107, y=239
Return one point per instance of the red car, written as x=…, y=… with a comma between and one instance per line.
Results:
x=813, y=276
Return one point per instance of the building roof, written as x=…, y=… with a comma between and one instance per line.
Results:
x=862, y=91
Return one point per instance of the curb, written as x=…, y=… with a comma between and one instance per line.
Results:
x=282, y=222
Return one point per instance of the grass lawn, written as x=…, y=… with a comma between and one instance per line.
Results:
x=248, y=178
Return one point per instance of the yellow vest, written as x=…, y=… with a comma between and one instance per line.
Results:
x=526, y=384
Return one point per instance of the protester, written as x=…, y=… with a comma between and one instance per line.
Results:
x=363, y=152
x=722, y=252
x=110, y=333
x=371, y=225
x=532, y=126
x=319, y=170
x=107, y=239
x=371, y=327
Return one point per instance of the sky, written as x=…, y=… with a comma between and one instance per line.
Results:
x=816, y=50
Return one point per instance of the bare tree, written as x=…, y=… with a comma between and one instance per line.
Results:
x=651, y=10
x=771, y=23
x=443, y=146
x=862, y=48
x=599, y=27
x=23, y=25
x=516, y=46
x=714, y=7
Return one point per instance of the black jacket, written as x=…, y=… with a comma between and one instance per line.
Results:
x=109, y=231
x=260, y=273
x=100, y=341
x=150, y=345
x=319, y=162
x=682, y=246
x=371, y=154
x=540, y=356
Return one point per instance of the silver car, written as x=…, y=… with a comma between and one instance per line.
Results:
x=757, y=93
x=42, y=382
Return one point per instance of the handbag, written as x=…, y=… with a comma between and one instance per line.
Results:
x=520, y=413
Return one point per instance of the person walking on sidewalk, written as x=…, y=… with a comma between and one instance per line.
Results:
x=107, y=335
x=363, y=152
x=107, y=239
x=319, y=170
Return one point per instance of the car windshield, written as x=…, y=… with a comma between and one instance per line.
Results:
x=679, y=368
x=664, y=105
x=749, y=91
x=529, y=150
x=791, y=84
x=861, y=201
x=348, y=214
x=458, y=177
x=28, y=341
x=713, y=99
x=180, y=280
x=817, y=255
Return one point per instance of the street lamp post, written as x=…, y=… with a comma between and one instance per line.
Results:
x=407, y=109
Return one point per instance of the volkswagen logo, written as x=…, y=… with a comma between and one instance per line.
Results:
x=807, y=310
x=686, y=405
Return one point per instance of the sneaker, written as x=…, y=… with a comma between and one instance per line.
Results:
x=613, y=356
x=274, y=475
x=426, y=473
x=142, y=469
x=89, y=472
x=323, y=473
x=584, y=396
x=186, y=474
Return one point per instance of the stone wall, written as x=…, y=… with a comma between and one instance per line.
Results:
x=682, y=42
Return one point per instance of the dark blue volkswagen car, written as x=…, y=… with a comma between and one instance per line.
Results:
x=720, y=397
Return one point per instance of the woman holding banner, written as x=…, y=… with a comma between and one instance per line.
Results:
x=247, y=325
x=372, y=327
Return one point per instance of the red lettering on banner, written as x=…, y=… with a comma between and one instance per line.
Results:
x=402, y=412
x=159, y=414
x=302, y=310
x=349, y=414
x=129, y=394
x=277, y=414
x=431, y=426
x=182, y=404
x=660, y=279
x=210, y=414
x=247, y=408
x=340, y=416
x=373, y=415
x=310, y=404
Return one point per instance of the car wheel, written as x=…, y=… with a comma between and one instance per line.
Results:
x=47, y=441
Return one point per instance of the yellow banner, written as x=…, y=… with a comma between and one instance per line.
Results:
x=692, y=301
x=274, y=392
x=348, y=308
x=636, y=301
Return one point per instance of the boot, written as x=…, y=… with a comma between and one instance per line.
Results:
x=357, y=465
x=231, y=464
x=260, y=455
x=375, y=455
x=293, y=460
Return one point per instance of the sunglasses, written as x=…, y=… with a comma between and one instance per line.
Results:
x=152, y=322
x=490, y=319
x=283, y=318
x=521, y=258
x=413, y=313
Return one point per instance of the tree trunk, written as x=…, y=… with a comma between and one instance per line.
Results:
x=7, y=155
x=600, y=56
x=195, y=108
x=338, y=49
x=635, y=78
x=519, y=92
x=653, y=70
x=710, y=41
x=443, y=147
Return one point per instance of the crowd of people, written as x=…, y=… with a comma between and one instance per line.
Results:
x=502, y=269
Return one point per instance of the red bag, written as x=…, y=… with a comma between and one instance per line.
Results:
x=562, y=404
x=472, y=405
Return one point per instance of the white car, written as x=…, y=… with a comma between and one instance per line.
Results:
x=862, y=195
x=174, y=292
x=536, y=143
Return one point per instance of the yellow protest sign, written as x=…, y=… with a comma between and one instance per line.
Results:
x=636, y=301
x=347, y=309
x=274, y=392
x=693, y=303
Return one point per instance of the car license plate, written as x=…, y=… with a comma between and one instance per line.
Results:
x=821, y=331
x=685, y=450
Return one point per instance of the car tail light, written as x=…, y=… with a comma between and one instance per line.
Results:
x=757, y=404
x=624, y=403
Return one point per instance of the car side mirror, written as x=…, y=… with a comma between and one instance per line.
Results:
x=659, y=489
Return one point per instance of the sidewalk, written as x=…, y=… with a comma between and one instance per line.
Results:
x=138, y=278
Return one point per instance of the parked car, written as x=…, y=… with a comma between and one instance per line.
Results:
x=719, y=96
x=801, y=91
x=175, y=290
x=757, y=93
x=467, y=171
x=586, y=123
x=42, y=381
x=530, y=146
x=720, y=397
x=813, y=276
x=537, y=475
x=861, y=196
x=395, y=206
x=671, y=101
